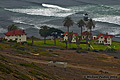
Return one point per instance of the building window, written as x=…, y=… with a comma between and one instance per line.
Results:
x=101, y=37
x=16, y=39
x=83, y=36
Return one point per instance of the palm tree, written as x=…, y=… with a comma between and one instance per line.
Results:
x=80, y=24
x=44, y=32
x=87, y=34
x=70, y=37
x=12, y=27
x=68, y=22
x=32, y=37
x=90, y=25
x=78, y=39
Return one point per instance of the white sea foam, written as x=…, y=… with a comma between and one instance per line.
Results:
x=2, y=30
x=51, y=10
x=55, y=6
x=109, y=19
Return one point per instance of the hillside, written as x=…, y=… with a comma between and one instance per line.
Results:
x=19, y=62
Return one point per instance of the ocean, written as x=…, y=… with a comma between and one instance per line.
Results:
x=30, y=15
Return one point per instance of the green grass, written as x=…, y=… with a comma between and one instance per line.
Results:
x=114, y=45
x=61, y=44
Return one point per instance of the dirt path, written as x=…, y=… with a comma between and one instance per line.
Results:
x=72, y=66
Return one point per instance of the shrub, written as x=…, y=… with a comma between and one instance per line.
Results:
x=12, y=40
x=116, y=57
x=110, y=50
x=55, y=53
x=50, y=50
x=73, y=48
x=101, y=50
x=101, y=71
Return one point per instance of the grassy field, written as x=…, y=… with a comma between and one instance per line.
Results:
x=61, y=44
x=114, y=45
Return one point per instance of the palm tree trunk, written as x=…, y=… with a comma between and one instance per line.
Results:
x=32, y=41
x=68, y=29
x=90, y=35
x=81, y=31
x=44, y=40
x=86, y=39
x=54, y=41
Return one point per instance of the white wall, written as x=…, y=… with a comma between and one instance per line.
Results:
x=20, y=38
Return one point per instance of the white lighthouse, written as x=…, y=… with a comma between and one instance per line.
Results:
x=85, y=18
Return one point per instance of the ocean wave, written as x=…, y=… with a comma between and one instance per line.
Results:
x=42, y=11
x=109, y=19
x=55, y=6
x=2, y=30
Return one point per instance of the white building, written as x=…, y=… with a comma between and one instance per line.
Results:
x=18, y=35
x=65, y=38
x=84, y=35
x=104, y=39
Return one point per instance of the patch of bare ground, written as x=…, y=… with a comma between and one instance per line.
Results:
x=90, y=63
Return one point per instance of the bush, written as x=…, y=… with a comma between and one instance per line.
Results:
x=12, y=40
x=101, y=50
x=110, y=50
x=73, y=48
x=81, y=51
x=50, y=50
x=116, y=57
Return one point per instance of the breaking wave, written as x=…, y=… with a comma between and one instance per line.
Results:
x=55, y=6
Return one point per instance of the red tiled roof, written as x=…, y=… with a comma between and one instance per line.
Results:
x=84, y=33
x=15, y=32
x=96, y=39
x=105, y=36
x=76, y=34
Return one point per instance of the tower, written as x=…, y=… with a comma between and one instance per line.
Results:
x=85, y=17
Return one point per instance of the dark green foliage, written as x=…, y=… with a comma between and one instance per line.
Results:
x=68, y=22
x=116, y=57
x=12, y=40
x=55, y=33
x=110, y=50
x=101, y=71
x=55, y=53
x=12, y=27
x=50, y=50
x=81, y=51
x=44, y=32
x=80, y=24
